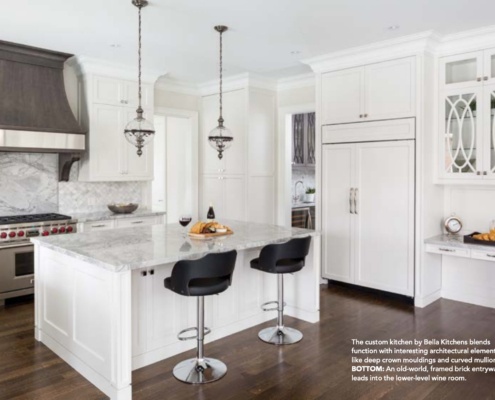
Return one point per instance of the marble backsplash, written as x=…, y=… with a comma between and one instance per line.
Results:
x=94, y=196
x=304, y=174
x=28, y=183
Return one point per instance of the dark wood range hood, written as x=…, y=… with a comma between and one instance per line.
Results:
x=34, y=112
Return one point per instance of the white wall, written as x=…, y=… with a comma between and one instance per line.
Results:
x=302, y=95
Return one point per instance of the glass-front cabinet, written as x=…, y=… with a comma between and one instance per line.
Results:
x=467, y=117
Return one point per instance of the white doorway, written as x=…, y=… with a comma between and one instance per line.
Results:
x=175, y=185
x=285, y=159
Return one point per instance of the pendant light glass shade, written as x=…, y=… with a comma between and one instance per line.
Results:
x=220, y=138
x=139, y=132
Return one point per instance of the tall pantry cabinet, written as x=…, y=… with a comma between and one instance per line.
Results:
x=374, y=169
x=241, y=185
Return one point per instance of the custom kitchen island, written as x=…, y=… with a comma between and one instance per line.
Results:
x=101, y=304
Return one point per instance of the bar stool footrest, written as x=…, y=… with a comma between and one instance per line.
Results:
x=265, y=308
x=181, y=336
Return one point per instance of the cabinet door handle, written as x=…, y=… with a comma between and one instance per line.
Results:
x=144, y=273
x=355, y=200
x=478, y=79
x=490, y=255
x=137, y=222
x=447, y=250
x=98, y=226
x=351, y=194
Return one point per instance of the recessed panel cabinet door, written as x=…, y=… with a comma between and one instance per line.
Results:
x=210, y=163
x=106, y=132
x=108, y=90
x=234, y=113
x=234, y=198
x=390, y=89
x=384, y=244
x=342, y=96
x=131, y=95
x=337, y=211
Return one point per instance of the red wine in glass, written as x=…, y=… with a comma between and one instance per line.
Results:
x=184, y=220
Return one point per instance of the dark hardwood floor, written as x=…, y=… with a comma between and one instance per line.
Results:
x=319, y=367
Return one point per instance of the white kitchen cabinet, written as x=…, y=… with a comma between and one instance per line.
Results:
x=114, y=91
x=234, y=114
x=385, y=90
x=111, y=157
x=226, y=194
x=368, y=214
x=241, y=185
x=107, y=224
x=466, y=118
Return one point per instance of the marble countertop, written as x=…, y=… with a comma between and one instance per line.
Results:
x=456, y=241
x=107, y=214
x=148, y=246
x=302, y=205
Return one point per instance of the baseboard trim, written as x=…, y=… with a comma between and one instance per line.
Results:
x=382, y=293
x=425, y=301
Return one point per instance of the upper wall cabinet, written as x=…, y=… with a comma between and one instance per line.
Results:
x=467, y=117
x=378, y=91
x=108, y=104
x=303, y=140
x=467, y=70
x=120, y=92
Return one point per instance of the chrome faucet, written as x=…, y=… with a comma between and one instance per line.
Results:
x=296, y=197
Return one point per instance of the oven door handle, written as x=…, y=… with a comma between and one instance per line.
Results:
x=15, y=245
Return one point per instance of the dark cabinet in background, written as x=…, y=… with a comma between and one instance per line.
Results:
x=303, y=139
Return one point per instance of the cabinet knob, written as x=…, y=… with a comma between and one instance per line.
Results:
x=478, y=79
x=152, y=272
x=485, y=173
x=478, y=172
x=360, y=115
x=485, y=78
x=144, y=273
x=365, y=115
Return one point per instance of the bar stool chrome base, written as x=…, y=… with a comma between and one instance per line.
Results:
x=280, y=336
x=200, y=371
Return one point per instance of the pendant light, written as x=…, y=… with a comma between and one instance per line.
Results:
x=220, y=138
x=139, y=132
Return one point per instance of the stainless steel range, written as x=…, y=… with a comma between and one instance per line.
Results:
x=16, y=250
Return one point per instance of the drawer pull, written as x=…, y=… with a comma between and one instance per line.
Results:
x=447, y=250
x=137, y=222
x=98, y=226
x=490, y=255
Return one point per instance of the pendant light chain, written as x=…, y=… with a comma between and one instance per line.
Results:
x=220, y=120
x=140, y=110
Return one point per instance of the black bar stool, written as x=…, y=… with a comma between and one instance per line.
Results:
x=209, y=275
x=285, y=258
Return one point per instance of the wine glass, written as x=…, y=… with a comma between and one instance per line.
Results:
x=184, y=220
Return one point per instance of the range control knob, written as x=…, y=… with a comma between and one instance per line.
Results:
x=12, y=234
x=62, y=229
x=20, y=233
x=54, y=230
x=70, y=229
x=3, y=235
x=45, y=233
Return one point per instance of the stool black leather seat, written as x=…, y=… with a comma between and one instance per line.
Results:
x=284, y=258
x=206, y=276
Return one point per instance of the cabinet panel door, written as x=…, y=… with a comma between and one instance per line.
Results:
x=384, y=241
x=461, y=70
x=342, y=96
x=106, y=142
x=337, y=207
x=130, y=94
x=139, y=312
x=462, y=139
x=137, y=167
x=235, y=112
x=108, y=91
x=210, y=163
x=390, y=89
x=234, y=199
x=212, y=193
